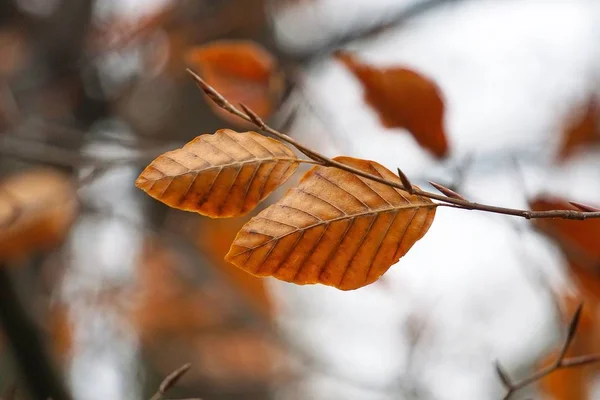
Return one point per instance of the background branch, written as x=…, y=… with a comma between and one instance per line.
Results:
x=560, y=363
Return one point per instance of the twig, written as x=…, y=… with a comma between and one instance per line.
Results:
x=458, y=202
x=170, y=381
x=560, y=363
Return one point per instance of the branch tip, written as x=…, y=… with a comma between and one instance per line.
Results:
x=405, y=181
x=173, y=378
x=584, y=207
x=503, y=375
x=256, y=120
x=447, y=192
x=573, y=327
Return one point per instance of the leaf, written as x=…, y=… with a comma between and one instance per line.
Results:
x=403, y=99
x=37, y=208
x=334, y=228
x=583, y=129
x=222, y=175
x=243, y=72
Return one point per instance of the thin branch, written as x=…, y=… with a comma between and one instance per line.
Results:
x=170, y=381
x=560, y=363
x=458, y=202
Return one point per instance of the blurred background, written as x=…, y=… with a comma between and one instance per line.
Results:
x=105, y=291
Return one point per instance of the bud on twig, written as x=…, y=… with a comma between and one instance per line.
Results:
x=447, y=192
x=405, y=182
x=584, y=207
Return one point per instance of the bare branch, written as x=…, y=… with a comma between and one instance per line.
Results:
x=560, y=363
x=170, y=381
x=457, y=202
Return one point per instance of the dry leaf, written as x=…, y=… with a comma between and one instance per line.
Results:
x=222, y=175
x=403, y=99
x=334, y=228
x=37, y=208
x=243, y=72
x=581, y=131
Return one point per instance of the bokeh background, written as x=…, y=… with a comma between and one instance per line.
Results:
x=105, y=291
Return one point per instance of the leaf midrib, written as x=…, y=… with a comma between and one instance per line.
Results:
x=223, y=166
x=396, y=209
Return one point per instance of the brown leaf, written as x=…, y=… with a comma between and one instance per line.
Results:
x=581, y=130
x=222, y=175
x=403, y=99
x=37, y=208
x=243, y=72
x=334, y=228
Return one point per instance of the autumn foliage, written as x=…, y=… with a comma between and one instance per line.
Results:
x=403, y=99
x=37, y=208
x=242, y=71
x=222, y=175
x=334, y=228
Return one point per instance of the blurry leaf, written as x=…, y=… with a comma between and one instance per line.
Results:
x=239, y=357
x=582, y=130
x=580, y=242
x=222, y=175
x=243, y=72
x=37, y=208
x=214, y=236
x=403, y=99
x=166, y=304
x=334, y=228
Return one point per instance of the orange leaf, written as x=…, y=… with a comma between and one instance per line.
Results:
x=582, y=130
x=403, y=99
x=37, y=208
x=334, y=228
x=222, y=175
x=243, y=72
